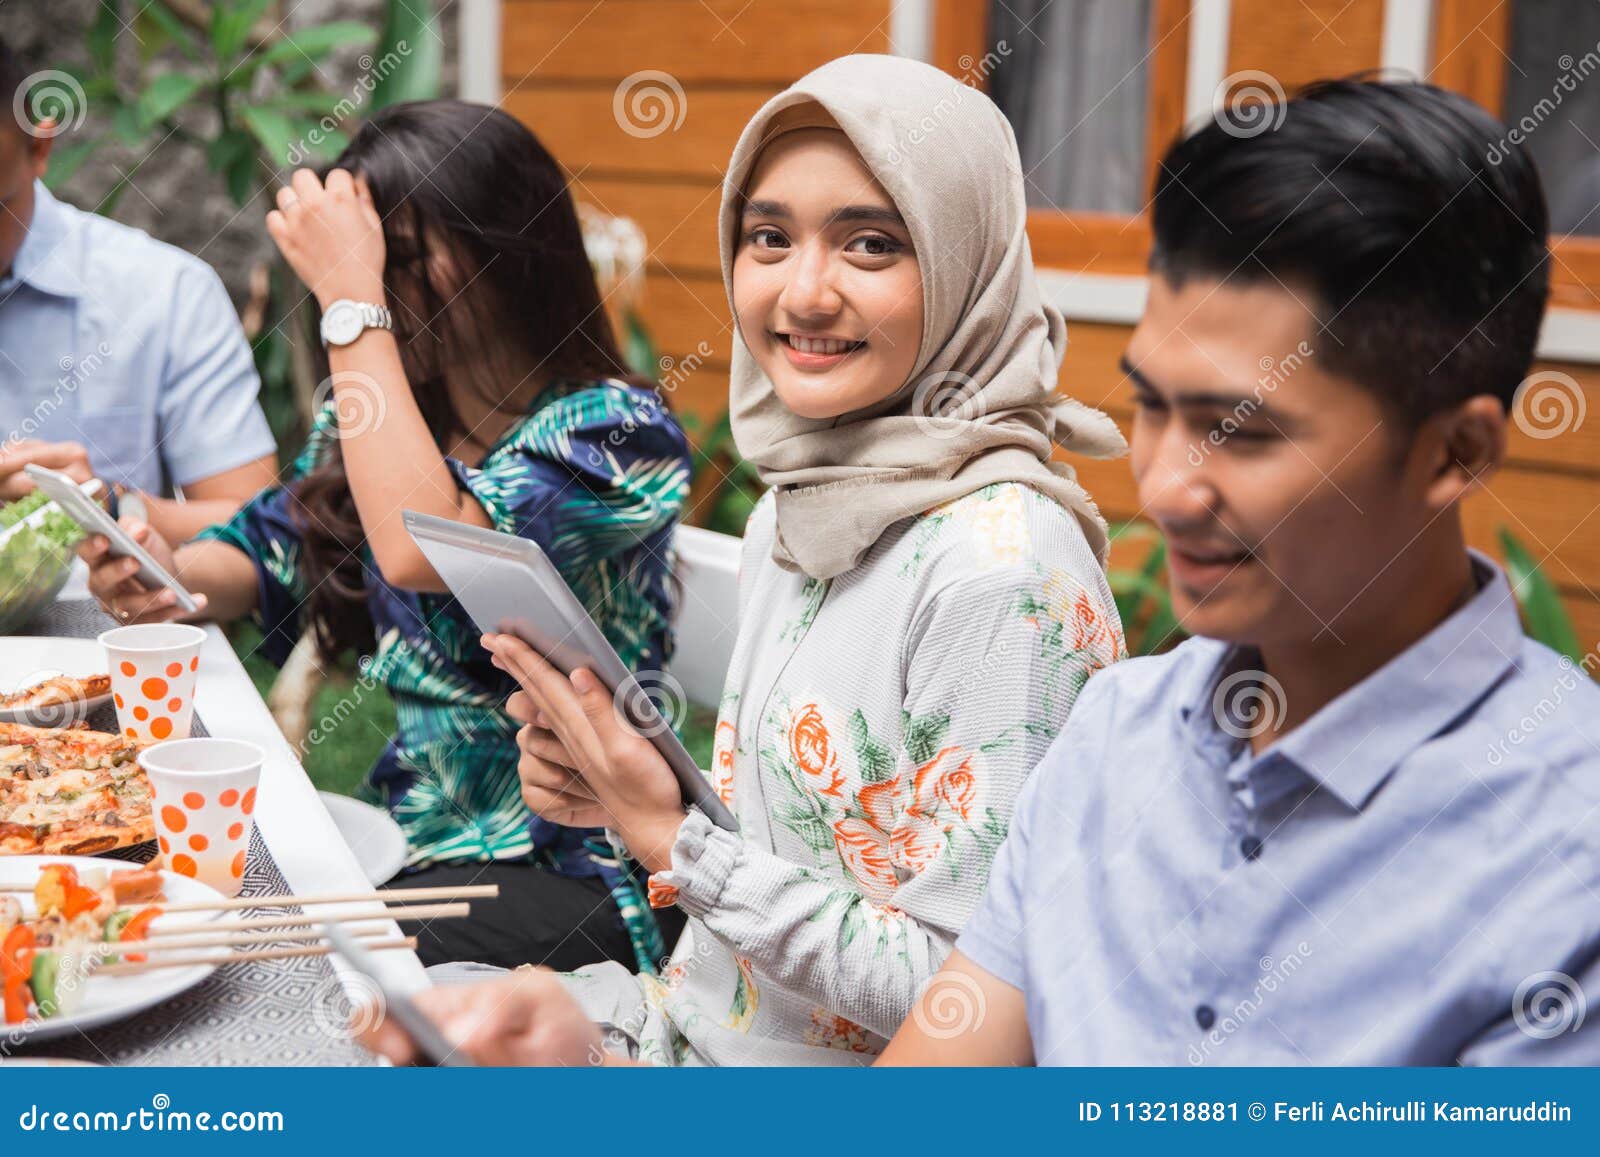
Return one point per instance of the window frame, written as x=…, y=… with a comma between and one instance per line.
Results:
x=1467, y=52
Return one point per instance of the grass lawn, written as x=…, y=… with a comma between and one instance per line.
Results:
x=345, y=750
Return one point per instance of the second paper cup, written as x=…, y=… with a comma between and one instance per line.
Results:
x=205, y=802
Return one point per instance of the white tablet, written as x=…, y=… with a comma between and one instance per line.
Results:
x=94, y=520
x=509, y=586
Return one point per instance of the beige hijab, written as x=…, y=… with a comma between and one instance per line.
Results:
x=980, y=406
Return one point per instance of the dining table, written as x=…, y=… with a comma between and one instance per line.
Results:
x=278, y=1012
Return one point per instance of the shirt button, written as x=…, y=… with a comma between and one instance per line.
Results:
x=1250, y=847
x=1205, y=1016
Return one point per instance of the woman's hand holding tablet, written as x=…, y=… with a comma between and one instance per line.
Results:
x=586, y=766
x=515, y=595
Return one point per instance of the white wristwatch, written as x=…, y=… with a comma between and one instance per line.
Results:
x=346, y=320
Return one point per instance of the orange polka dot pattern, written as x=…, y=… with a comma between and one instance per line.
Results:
x=152, y=701
x=195, y=814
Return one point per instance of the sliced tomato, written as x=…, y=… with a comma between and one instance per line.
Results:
x=16, y=969
x=138, y=929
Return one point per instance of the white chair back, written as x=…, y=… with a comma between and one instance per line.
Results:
x=707, y=621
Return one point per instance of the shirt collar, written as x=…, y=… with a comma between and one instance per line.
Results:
x=1353, y=743
x=45, y=259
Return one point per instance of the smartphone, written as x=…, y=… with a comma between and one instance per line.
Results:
x=94, y=520
x=433, y=1050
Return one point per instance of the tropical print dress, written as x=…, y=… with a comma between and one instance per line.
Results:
x=597, y=475
x=872, y=738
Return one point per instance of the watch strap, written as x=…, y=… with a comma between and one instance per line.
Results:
x=372, y=316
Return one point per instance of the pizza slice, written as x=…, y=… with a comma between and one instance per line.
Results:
x=57, y=691
x=70, y=790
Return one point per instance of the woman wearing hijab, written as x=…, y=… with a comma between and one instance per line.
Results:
x=922, y=595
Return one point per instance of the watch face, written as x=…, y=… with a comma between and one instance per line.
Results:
x=341, y=325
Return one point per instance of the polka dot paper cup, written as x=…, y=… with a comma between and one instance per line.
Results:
x=153, y=672
x=205, y=802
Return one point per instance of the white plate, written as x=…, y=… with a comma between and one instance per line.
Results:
x=377, y=841
x=110, y=998
x=29, y=659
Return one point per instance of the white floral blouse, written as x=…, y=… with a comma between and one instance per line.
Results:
x=872, y=738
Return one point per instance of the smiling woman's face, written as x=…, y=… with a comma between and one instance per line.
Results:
x=826, y=286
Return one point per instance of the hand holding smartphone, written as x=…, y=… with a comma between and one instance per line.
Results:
x=433, y=1050
x=94, y=520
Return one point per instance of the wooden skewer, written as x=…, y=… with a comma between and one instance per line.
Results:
x=182, y=961
x=415, y=912
x=217, y=940
x=466, y=892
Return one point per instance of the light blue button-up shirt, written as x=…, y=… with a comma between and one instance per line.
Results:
x=1412, y=876
x=129, y=346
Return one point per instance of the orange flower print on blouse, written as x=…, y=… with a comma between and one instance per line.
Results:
x=1087, y=627
x=661, y=894
x=946, y=782
x=812, y=749
x=835, y=1032
x=723, y=747
x=864, y=851
x=945, y=788
x=877, y=800
x=917, y=840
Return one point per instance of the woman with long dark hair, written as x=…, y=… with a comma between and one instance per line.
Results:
x=471, y=373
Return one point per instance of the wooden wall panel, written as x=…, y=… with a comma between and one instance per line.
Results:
x=1470, y=40
x=679, y=218
x=1305, y=40
x=696, y=41
x=580, y=128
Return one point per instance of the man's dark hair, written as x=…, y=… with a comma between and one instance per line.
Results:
x=1427, y=264
x=12, y=76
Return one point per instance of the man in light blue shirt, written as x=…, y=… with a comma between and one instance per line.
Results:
x=120, y=356
x=1356, y=821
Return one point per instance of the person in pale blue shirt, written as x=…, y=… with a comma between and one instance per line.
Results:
x=1356, y=819
x=120, y=357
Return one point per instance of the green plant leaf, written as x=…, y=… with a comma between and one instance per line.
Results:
x=1155, y=560
x=125, y=124
x=408, y=56
x=638, y=347
x=226, y=147
x=316, y=142
x=306, y=101
x=65, y=160
x=240, y=173
x=108, y=204
x=273, y=131
x=163, y=97
x=233, y=154
x=102, y=37
x=231, y=22
x=303, y=45
x=1545, y=617
x=158, y=28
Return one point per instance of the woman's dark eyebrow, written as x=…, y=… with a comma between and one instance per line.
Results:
x=777, y=209
x=765, y=209
x=867, y=213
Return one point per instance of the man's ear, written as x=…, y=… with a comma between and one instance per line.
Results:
x=1466, y=445
x=39, y=144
